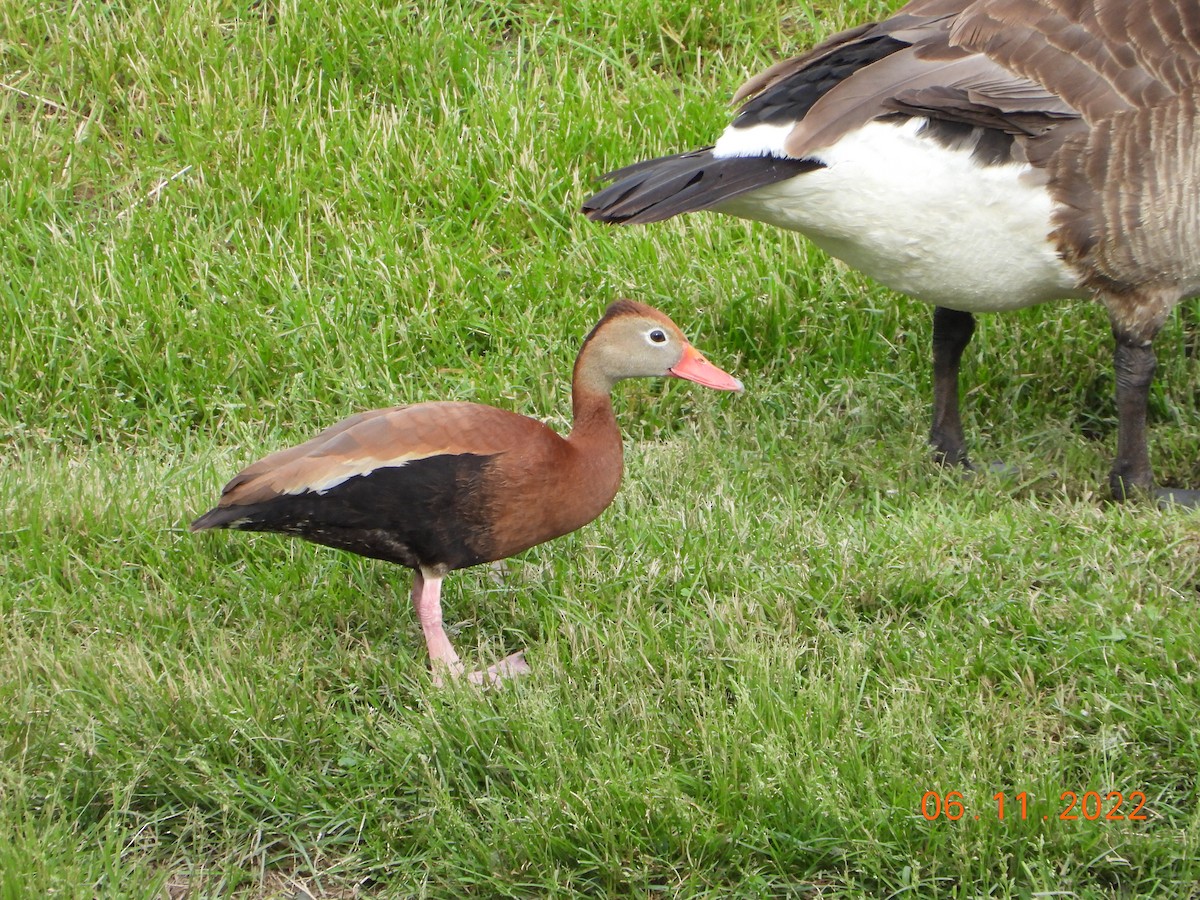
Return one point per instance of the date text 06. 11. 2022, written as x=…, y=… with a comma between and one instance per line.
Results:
x=1093, y=806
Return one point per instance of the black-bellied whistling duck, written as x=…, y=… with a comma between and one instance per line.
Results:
x=980, y=155
x=442, y=486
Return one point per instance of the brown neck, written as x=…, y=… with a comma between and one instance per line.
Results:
x=593, y=419
x=594, y=422
x=595, y=437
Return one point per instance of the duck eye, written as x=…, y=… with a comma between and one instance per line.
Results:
x=658, y=336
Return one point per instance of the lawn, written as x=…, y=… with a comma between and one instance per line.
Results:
x=225, y=225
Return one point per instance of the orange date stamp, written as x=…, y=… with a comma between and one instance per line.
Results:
x=1090, y=806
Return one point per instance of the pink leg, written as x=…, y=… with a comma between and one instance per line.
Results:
x=427, y=600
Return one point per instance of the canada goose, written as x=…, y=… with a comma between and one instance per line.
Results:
x=979, y=156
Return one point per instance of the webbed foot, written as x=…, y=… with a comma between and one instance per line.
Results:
x=1165, y=498
x=509, y=667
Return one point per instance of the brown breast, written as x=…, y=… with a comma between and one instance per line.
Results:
x=550, y=488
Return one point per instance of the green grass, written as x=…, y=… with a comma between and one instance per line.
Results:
x=226, y=225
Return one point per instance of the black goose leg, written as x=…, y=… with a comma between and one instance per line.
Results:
x=952, y=332
x=1132, y=474
x=1134, y=364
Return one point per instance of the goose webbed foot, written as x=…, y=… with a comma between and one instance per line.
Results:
x=1162, y=497
x=1165, y=498
x=952, y=458
x=995, y=471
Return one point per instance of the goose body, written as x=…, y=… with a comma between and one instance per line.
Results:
x=980, y=156
x=976, y=238
x=441, y=486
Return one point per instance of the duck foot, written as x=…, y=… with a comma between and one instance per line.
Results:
x=509, y=667
x=1165, y=498
x=452, y=669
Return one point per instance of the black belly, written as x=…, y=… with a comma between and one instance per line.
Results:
x=430, y=513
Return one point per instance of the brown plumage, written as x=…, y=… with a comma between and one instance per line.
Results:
x=440, y=486
x=1038, y=150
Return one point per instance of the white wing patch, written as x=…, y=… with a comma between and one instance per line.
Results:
x=757, y=140
x=342, y=471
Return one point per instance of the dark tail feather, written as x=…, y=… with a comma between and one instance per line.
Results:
x=219, y=517
x=660, y=188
